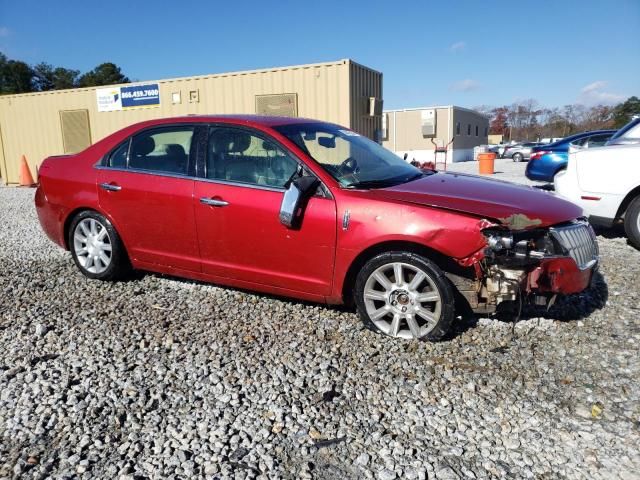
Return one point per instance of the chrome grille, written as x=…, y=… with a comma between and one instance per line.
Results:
x=580, y=242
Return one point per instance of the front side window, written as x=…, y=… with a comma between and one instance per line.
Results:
x=237, y=155
x=164, y=150
x=353, y=160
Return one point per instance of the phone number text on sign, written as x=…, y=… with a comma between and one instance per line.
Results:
x=140, y=95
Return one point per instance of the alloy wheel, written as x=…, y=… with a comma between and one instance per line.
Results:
x=92, y=245
x=402, y=300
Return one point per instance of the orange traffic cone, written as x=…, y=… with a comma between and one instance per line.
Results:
x=26, y=179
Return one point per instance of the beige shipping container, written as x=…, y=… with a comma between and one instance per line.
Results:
x=41, y=124
x=416, y=132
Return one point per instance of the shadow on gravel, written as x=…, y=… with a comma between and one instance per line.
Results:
x=566, y=309
x=546, y=186
x=616, y=231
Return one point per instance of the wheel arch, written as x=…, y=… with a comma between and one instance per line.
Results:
x=74, y=213
x=627, y=201
x=445, y=263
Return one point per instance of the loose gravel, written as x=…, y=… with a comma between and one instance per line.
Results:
x=158, y=377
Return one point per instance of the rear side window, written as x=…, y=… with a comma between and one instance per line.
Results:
x=118, y=158
x=164, y=150
x=580, y=142
x=598, y=140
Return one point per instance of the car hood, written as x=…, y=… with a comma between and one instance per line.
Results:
x=518, y=207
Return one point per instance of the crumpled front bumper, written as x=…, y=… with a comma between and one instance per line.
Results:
x=560, y=275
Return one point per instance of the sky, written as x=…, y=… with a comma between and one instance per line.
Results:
x=467, y=53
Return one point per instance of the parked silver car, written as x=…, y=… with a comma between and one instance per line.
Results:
x=519, y=151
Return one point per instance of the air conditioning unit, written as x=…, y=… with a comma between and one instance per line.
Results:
x=375, y=107
x=281, y=105
x=384, y=133
x=428, y=118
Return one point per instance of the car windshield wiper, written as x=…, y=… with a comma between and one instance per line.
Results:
x=386, y=182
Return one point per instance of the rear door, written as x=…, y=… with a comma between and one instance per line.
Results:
x=237, y=206
x=146, y=187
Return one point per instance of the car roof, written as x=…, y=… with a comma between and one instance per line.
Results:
x=246, y=119
x=576, y=136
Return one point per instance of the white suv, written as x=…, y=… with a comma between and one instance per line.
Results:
x=605, y=182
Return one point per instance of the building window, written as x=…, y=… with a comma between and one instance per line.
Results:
x=476, y=130
x=457, y=128
x=469, y=130
x=486, y=131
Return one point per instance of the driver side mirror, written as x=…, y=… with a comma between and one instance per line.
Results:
x=295, y=199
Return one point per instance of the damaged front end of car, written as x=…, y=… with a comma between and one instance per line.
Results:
x=533, y=265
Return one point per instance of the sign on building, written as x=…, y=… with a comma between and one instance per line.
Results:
x=112, y=99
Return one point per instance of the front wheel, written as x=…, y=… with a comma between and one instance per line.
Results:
x=96, y=247
x=632, y=222
x=404, y=295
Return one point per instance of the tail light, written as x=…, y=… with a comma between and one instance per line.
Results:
x=536, y=155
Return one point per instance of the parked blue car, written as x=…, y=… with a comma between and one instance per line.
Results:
x=547, y=160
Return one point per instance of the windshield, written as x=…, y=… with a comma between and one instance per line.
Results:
x=353, y=160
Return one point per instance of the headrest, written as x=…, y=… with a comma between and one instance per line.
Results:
x=227, y=141
x=143, y=146
x=268, y=146
x=175, y=150
x=240, y=141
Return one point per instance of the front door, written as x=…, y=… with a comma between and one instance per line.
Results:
x=146, y=190
x=237, y=215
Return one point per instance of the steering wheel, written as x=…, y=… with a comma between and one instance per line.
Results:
x=349, y=167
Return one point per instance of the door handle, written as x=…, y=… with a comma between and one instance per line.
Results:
x=212, y=202
x=110, y=187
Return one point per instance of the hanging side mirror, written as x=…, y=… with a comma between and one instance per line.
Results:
x=295, y=199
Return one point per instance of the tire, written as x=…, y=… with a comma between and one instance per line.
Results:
x=394, y=308
x=517, y=157
x=632, y=222
x=96, y=247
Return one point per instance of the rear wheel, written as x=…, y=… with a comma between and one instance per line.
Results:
x=517, y=157
x=404, y=295
x=96, y=247
x=632, y=222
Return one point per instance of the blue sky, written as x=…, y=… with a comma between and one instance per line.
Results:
x=463, y=52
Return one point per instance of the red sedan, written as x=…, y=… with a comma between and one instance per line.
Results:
x=311, y=210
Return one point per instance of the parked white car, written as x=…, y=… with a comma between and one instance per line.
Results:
x=605, y=182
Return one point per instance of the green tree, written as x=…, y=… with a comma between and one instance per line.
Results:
x=104, y=74
x=15, y=76
x=623, y=112
x=46, y=77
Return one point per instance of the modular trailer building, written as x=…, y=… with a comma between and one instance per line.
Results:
x=41, y=124
x=417, y=131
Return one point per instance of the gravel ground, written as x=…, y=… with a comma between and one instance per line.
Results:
x=164, y=378
x=505, y=169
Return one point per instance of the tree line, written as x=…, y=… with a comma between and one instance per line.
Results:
x=528, y=120
x=17, y=76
